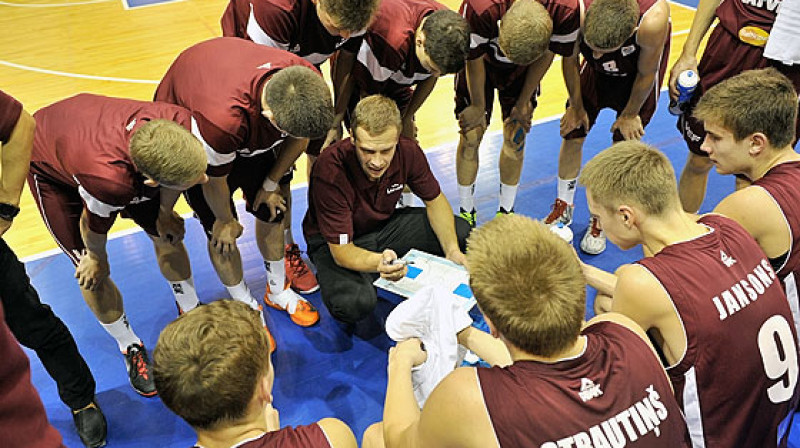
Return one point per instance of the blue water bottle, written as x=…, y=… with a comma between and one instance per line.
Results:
x=687, y=82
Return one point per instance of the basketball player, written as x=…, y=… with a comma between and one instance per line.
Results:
x=708, y=297
x=570, y=383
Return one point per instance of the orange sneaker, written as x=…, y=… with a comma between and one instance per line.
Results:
x=300, y=310
x=272, y=345
x=297, y=271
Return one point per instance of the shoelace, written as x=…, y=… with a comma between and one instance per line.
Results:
x=140, y=364
x=595, y=230
x=296, y=261
x=558, y=209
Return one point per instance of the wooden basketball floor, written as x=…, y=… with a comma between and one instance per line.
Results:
x=53, y=49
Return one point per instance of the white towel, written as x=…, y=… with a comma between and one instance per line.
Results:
x=434, y=315
x=783, y=44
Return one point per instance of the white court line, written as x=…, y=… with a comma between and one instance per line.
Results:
x=52, y=5
x=76, y=75
x=127, y=7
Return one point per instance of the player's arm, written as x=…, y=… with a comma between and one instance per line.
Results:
x=474, y=115
x=604, y=282
x=641, y=297
x=652, y=37
x=14, y=163
x=703, y=18
x=338, y=433
x=93, y=267
x=522, y=112
x=575, y=115
x=270, y=193
x=342, y=91
x=169, y=223
x=440, y=215
x=755, y=210
x=350, y=256
x=226, y=228
x=421, y=93
x=487, y=347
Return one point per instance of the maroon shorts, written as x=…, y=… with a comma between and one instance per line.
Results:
x=729, y=57
x=507, y=82
x=61, y=207
x=600, y=91
x=247, y=174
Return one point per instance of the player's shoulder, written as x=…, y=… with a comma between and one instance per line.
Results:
x=485, y=8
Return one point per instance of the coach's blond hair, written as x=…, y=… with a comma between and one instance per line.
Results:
x=609, y=23
x=525, y=31
x=528, y=282
x=631, y=172
x=375, y=114
x=167, y=153
x=208, y=363
x=753, y=101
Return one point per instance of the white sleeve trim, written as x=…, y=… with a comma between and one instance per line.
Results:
x=96, y=206
x=259, y=36
x=380, y=73
x=214, y=158
x=565, y=38
x=475, y=40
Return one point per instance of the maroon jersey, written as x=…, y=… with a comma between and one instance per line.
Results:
x=83, y=143
x=737, y=378
x=751, y=21
x=344, y=203
x=782, y=183
x=483, y=17
x=308, y=436
x=386, y=58
x=220, y=81
x=623, y=62
x=23, y=422
x=10, y=110
x=291, y=25
x=615, y=393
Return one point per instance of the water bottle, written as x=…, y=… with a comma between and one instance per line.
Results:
x=687, y=82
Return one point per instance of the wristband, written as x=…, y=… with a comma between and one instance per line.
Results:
x=269, y=185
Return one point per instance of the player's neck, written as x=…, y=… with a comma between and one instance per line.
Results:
x=671, y=228
x=784, y=155
x=573, y=351
x=232, y=434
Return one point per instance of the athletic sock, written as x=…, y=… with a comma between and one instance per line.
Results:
x=121, y=331
x=241, y=292
x=466, y=197
x=276, y=276
x=288, y=238
x=566, y=189
x=185, y=294
x=508, y=194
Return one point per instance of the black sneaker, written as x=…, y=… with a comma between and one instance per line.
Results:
x=91, y=425
x=140, y=372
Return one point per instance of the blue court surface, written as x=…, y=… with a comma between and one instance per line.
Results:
x=322, y=371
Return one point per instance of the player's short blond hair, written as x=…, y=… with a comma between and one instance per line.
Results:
x=631, y=172
x=168, y=153
x=525, y=31
x=351, y=15
x=753, y=101
x=208, y=363
x=528, y=282
x=375, y=114
x=609, y=23
x=300, y=102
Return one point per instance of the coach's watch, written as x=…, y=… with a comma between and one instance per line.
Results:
x=8, y=211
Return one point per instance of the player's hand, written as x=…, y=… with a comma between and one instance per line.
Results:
x=682, y=64
x=272, y=199
x=273, y=418
x=409, y=351
x=574, y=118
x=472, y=117
x=630, y=127
x=92, y=270
x=4, y=226
x=409, y=127
x=522, y=114
x=224, y=234
x=334, y=135
x=457, y=257
x=170, y=227
x=389, y=271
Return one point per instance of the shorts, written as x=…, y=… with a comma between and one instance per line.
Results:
x=247, y=174
x=508, y=83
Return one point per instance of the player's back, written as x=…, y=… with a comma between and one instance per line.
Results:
x=738, y=376
x=615, y=393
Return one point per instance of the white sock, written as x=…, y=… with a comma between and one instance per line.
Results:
x=508, y=194
x=566, y=189
x=466, y=197
x=121, y=331
x=288, y=238
x=408, y=199
x=185, y=294
x=276, y=275
x=241, y=292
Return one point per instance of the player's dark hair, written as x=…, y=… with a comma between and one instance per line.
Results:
x=609, y=23
x=446, y=40
x=300, y=102
x=351, y=15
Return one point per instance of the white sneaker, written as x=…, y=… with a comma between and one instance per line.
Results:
x=300, y=310
x=594, y=240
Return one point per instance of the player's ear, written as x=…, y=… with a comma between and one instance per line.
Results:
x=758, y=143
x=150, y=182
x=626, y=215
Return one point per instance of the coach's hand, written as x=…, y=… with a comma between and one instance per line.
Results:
x=272, y=199
x=224, y=234
x=574, y=118
x=630, y=127
x=92, y=270
x=170, y=227
x=389, y=271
